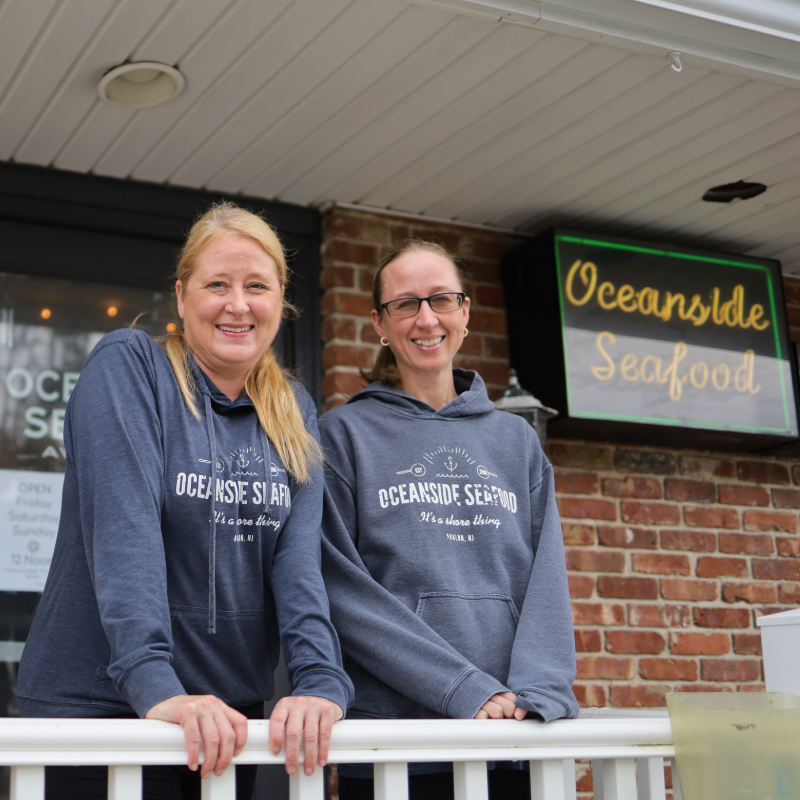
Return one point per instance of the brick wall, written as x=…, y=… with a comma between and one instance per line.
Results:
x=672, y=554
x=672, y=557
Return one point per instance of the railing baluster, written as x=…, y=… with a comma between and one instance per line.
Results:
x=617, y=777
x=470, y=780
x=570, y=787
x=306, y=787
x=220, y=788
x=676, y=783
x=547, y=780
x=650, y=777
x=124, y=783
x=391, y=781
x=597, y=779
x=27, y=783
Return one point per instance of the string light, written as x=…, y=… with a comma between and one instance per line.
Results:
x=46, y=313
x=111, y=311
x=171, y=327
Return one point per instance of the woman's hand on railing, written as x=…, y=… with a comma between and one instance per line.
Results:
x=303, y=717
x=206, y=721
x=501, y=706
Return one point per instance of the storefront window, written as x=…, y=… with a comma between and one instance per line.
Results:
x=48, y=327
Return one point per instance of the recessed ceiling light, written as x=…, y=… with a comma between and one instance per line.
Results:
x=140, y=84
x=741, y=190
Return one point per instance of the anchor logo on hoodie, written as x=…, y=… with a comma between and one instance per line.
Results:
x=240, y=461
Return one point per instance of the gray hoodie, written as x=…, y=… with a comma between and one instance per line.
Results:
x=443, y=557
x=186, y=554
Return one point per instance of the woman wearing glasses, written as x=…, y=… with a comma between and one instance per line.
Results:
x=442, y=549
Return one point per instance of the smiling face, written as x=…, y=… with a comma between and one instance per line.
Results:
x=425, y=344
x=231, y=308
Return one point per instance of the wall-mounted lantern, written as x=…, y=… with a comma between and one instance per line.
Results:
x=517, y=401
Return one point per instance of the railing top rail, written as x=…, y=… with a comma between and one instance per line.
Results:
x=110, y=741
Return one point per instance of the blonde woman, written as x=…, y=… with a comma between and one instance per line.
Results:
x=188, y=549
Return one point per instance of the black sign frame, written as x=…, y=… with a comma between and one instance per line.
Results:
x=532, y=279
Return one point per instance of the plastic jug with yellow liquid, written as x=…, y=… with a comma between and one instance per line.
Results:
x=736, y=746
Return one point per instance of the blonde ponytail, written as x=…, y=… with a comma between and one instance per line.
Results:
x=267, y=384
x=178, y=355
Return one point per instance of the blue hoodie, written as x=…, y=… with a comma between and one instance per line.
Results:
x=185, y=557
x=443, y=557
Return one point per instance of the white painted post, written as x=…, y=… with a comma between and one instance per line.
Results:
x=305, y=787
x=125, y=783
x=220, y=788
x=391, y=781
x=677, y=794
x=618, y=778
x=650, y=777
x=27, y=783
x=547, y=780
x=570, y=787
x=780, y=641
x=597, y=779
x=470, y=780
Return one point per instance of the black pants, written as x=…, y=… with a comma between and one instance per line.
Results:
x=504, y=784
x=159, y=783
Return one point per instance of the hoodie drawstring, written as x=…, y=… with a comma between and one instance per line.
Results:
x=267, y=464
x=212, y=544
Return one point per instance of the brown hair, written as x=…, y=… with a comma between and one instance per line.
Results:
x=384, y=369
x=267, y=384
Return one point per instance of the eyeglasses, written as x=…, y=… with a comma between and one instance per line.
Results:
x=442, y=303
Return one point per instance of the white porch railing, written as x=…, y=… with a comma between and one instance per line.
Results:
x=626, y=749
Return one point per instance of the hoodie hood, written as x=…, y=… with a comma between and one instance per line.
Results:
x=472, y=399
x=208, y=388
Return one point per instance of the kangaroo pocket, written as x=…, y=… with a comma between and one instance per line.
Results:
x=480, y=626
x=235, y=663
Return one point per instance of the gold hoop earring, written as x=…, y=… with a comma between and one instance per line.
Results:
x=384, y=341
x=466, y=332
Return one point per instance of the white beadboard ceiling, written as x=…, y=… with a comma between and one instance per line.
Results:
x=416, y=106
